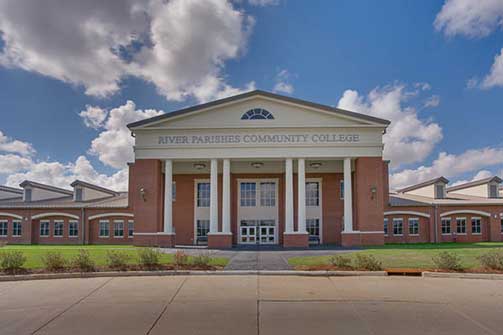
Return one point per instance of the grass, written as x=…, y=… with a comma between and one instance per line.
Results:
x=412, y=256
x=34, y=253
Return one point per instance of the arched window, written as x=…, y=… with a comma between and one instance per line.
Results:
x=257, y=114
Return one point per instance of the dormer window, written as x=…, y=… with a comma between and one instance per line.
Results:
x=27, y=194
x=257, y=114
x=439, y=191
x=78, y=194
x=493, y=191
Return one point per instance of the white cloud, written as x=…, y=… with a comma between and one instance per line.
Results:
x=495, y=76
x=283, y=82
x=470, y=18
x=408, y=139
x=449, y=165
x=15, y=146
x=432, y=101
x=263, y=3
x=179, y=46
x=11, y=163
x=93, y=116
x=482, y=174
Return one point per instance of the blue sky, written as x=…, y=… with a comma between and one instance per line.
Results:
x=66, y=73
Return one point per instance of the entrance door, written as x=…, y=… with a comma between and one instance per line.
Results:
x=258, y=211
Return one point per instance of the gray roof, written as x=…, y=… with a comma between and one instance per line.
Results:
x=423, y=184
x=259, y=93
x=94, y=187
x=118, y=201
x=45, y=187
x=475, y=183
x=395, y=200
x=11, y=189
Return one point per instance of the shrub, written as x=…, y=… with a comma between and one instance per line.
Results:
x=83, y=261
x=3, y=244
x=367, y=262
x=340, y=261
x=149, y=258
x=12, y=261
x=447, y=261
x=201, y=260
x=117, y=260
x=492, y=260
x=54, y=261
x=181, y=258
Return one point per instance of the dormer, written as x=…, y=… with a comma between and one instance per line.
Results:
x=435, y=188
x=83, y=191
x=10, y=192
x=484, y=188
x=33, y=191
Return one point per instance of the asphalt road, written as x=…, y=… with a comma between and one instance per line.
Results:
x=252, y=305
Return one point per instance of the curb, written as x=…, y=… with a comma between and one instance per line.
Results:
x=491, y=276
x=42, y=276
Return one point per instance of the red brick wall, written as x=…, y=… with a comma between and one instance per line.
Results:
x=424, y=230
x=25, y=237
x=51, y=239
x=94, y=229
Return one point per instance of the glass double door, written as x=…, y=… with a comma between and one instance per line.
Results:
x=258, y=232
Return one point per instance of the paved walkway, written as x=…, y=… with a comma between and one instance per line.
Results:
x=255, y=305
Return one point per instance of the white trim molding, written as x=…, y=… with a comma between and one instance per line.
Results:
x=105, y=215
x=424, y=215
x=466, y=211
x=44, y=215
x=15, y=216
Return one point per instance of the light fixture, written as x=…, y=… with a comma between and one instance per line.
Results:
x=373, y=192
x=257, y=165
x=199, y=166
x=143, y=194
x=315, y=165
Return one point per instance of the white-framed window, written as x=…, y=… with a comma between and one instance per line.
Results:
x=44, y=228
x=58, y=228
x=461, y=225
x=130, y=228
x=413, y=226
x=257, y=114
x=3, y=227
x=16, y=228
x=493, y=191
x=385, y=227
x=203, y=194
x=313, y=227
x=398, y=226
x=312, y=193
x=104, y=228
x=119, y=228
x=341, y=189
x=446, y=226
x=203, y=227
x=476, y=225
x=267, y=194
x=440, y=191
x=248, y=194
x=73, y=228
x=173, y=191
x=78, y=194
x=501, y=225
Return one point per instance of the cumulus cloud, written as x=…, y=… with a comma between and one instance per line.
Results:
x=93, y=116
x=15, y=146
x=263, y=3
x=179, y=45
x=283, y=82
x=11, y=163
x=482, y=174
x=409, y=138
x=432, y=101
x=495, y=76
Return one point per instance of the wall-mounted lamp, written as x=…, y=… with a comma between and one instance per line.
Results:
x=315, y=165
x=143, y=194
x=199, y=166
x=257, y=165
x=373, y=192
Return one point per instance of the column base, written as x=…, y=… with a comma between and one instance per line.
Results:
x=295, y=240
x=360, y=238
x=219, y=240
x=162, y=240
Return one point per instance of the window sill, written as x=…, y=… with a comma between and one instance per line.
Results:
x=104, y=236
x=16, y=235
x=413, y=234
x=118, y=236
x=397, y=234
x=476, y=233
x=73, y=236
x=446, y=234
x=463, y=234
x=57, y=236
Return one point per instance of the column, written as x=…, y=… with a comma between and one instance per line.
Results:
x=226, y=200
x=168, y=196
x=214, y=196
x=301, y=204
x=288, y=195
x=348, y=203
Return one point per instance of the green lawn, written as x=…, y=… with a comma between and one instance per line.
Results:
x=34, y=253
x=413, y=255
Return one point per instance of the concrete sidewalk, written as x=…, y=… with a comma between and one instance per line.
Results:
x=251, y=305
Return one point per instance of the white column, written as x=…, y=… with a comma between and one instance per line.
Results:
x=288, y=196
x=214, y=196
x=226, y=199
x=301, y=203
x=348, y=203
x=168, y=196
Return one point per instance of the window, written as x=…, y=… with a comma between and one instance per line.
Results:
x=446, y=226
x=130, y=228
x=342, y=189
x=493, y=191
x=173, y=191
x=73, y=228
x=248, y=194
x=439, y=191
x=413, y=226
x=386, y=226
x=118, y=228
x=268, y=194
x=461, y=225
x=398, y=226
x=44, y=228
x=78, y=194
x=203, y=226
x=104, y=228
x=16, y=228
x=313, y=193
x=203, y=194
x=501, y=225
x=27, y=194
x=257, y=114
x=476, y=226
x=3, y=228
x=313, y=227
x=58, y=228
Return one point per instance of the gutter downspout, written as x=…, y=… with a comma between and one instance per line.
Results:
x=435, y=222
x=83, y=216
